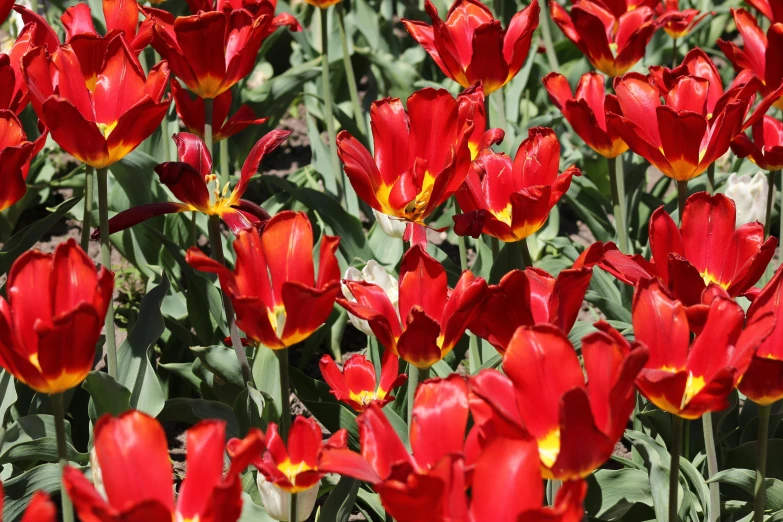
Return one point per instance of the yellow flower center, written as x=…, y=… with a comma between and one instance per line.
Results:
x=291, y=470
x=549, y=447
x=709, y=278
x=106, y=128
x=693, y=386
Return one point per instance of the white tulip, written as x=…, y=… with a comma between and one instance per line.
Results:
x=277, y=502
x=391, y=227
x=750, y=197
x=377, y=275
x=97, y=474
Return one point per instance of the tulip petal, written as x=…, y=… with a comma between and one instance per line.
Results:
x=381, y=446
x=197, y=37
x=665, y=238
x=135, y=126
x=423, y=284
x=418, y=343
x=184, y=181
x=77, y=19
x=389, y=123
x=205, y=443
x=122, y=15
x=487, y=62
x=519, y=36
x=192, y=150
x=264, y=146
x=361, y=170
x=440, y=418
x=306, y=308
x=661, y=325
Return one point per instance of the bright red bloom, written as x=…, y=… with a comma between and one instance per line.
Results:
x=134, y=445
x=766, y=148
x=706, y=249
x=612, y=43
x=254, y=7
x=679, y=137
x=532, y=296
x=678, y=24
x=191, y=180
x=687, y=379
x=471, y=46
x=271, y=286
x=40, y=509
x=49, y=343
x=422, y=155
x=586, y=111
x=357, y=385
x=511, y=200
x=620, y=7
x=211, y=51
x=432, y=318
x=15, y=156
x=772, y=9
x=544, y=396
x=98, y=120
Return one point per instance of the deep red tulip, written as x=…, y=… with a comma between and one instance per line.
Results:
x=5, y=9
x=697, y=64
x=15, y=156
x=192, y=182
x=272, y=287
x=471, y=46
x=40, y=509
x=680, y=137
x=431, y=317
x=357, y=384
x=134, y=445
x=766, y=148
x=620, y=7
x=544, y=395
x=772, y=9
x=612, y=43
x=586, y=111
x=211, y=51
x=687, y=379
x=678, y=24
x=422, y=155
x=49, y=343
x=532, y=296
x=254, y=7
x=706, y=249
x=511, y=200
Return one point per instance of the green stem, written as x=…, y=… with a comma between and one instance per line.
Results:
x=217, y=253
x=415, y=376
x=285, y=393
x=58, y=408
x=87, y=216
x=674, y=468
x=617, y=181
x=682, y=198
x=208, y=125
x=546, y=34
x=712, y=466
x=770, y=197
x=711, y=177
x=339, y=175
x=225, y=174
x=760, y=488
x=293, y=515
x=103, y=216
x=349, y=74
x=526, y=258
x=495, y=245
x=193, y=228
x=674, y=53
x=164, y=131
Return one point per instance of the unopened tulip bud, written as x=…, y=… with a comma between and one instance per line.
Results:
x=277, y=502
x=371, y=273
x=750, y=197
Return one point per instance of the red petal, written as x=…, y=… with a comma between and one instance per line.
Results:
x=264, y=146
x=440, y=418
x=205, y=447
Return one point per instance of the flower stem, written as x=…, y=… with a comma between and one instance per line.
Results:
x=87, y=217
x=711, y=177
x=58, y=408
x=164, y=130
x=546, y=34
x=293, y=516
x=760, y=489
x=674, y=53
x=103, y=216
x=225, y=174
x=770, y=196
x=712, y=466
x=674, y=468
x=526, y=258
x=617, y=181
x=682, y=197
x=350, y=76
x=217, y=254
x=339, y=176
x=285, y=393
x=208, y=125
x=415, y=376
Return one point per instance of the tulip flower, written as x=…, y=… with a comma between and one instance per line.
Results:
x=678, y=24
x=772, y=9
x=15, y=156
x=431, y=317
x=532, y=296
x=49, y=344
x=357, y=385
x=5, y=9
x=375, y=274
x=612, y=43
x=471, y=46
x=620, y=7
x=134, y=445
x=586, y=111
x=98, y=120
x=271, y=287
x=544, y=396
x=680, y=137
x=511, y=200
x=13, y=95
x=749, y=196
x=687, y=379
x=766, y=148
x=191, y=180
x=706, y=249
x=40, y=509
x=422, y=155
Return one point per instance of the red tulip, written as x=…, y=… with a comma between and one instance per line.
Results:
x=49, y=343
x=272, y=287
x=772, y=9
x=254, y=7
x=133, y=445
x=5, y=9
x=687, y=379
x=431, y=317
x=766, y=148
x=512, y=200
x=532, y=296
x=191, y=180
x=15, y=156
x=422, y=155
x=40, y=509
x=612, y=43
x=471, y=46
x=620, y=7
x=678, y=24
x=706, y=249
x=356, y=385
x=544, y=396
x=586, y=111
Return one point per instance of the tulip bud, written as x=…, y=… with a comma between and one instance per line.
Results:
x=377, y=275
x=750, y=197
x=277, y=502
x=97, y=474
x=390, y=226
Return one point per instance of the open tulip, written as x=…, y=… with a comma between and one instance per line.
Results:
x=357, y=385
x=40, y=509
x=49, y=344
x=766, y=147
x=691, y=379
x=134, y=445
x=192, y=182
x=511, y=200
x=678, y=24
x=544, y=395
x=375, y=274
x=697, y=64
x=15, y=156
x=254, y=7
x=272, y=287
x=471, y=46
x=586, y=111
x=612, y=43
x=705, y=249
x=620, y=7
x=772, y=9
x=431, y=317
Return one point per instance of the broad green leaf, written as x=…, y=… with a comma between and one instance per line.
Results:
x=339, y=503
x=611, y=494
x=19, y=490
x=33, y=439
x=108, y=396
x=745, y=479
x=191, y=411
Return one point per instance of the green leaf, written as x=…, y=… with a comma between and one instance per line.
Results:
x=19, y=490
x=611, y=494
x=745, y=479
x=266, y=375
x=8, y=394
x=222, y=361
x=33, y=439
x=339, y=503
x=108, y=396
x=656, y=459
x=191, y=411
